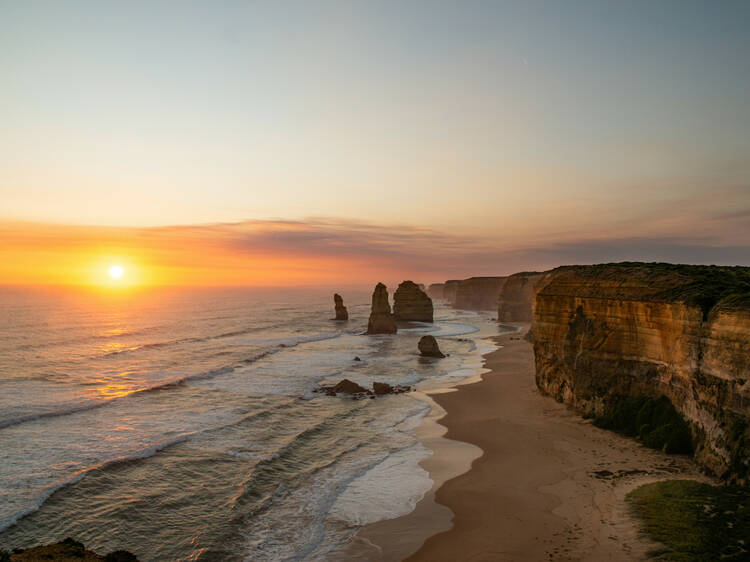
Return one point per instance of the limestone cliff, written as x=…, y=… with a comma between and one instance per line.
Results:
x=516, y=300
x=435, y=290
x=410, y=303
x=449, y=290
x=381, y=319
x=340, y=309
x=478, y=293
x=607, y=332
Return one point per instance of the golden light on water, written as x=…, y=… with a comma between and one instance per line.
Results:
x=116, y=271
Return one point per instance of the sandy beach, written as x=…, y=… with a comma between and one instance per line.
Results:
x=547, y=485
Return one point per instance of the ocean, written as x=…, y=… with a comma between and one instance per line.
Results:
x=182, y=424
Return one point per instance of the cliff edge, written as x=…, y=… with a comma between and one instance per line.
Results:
x=606, y=333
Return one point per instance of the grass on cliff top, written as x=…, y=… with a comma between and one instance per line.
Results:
x=656, y=422
x=693, y=520
x=700, y=285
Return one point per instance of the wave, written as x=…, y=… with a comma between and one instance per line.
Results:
x=167, y=385
x=78, y=476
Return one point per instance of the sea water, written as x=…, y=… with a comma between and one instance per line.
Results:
x=182, y=425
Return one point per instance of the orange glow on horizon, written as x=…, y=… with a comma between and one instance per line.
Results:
x=43, y=254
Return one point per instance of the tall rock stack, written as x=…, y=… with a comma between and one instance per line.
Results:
x=381, y=320
x=411, y=303
x=341, y=312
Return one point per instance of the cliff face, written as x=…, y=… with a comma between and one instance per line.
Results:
x=478, y=293
x=606, y=332
x=381, y=319
x=516, y=300
x=449, y=290
x=435, y=290
x=410, y=303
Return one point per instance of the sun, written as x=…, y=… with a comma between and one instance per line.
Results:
x=116, y=271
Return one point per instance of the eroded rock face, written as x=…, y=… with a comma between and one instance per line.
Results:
x=428, y=347
x=630, y=330
x=435, y=290
x=478, y=293
x=381, y=319
x=450, y=288
x=410, y=303
x=516, y=300
x=341, y=312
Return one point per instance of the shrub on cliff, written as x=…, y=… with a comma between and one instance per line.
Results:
x=656, y=422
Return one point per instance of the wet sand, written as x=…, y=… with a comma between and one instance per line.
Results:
x=547, y=486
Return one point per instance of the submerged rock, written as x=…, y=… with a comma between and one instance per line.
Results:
x=341, y=312
x=67, y=550
x=428, y=347
x=411, y=303
x=357, y=391
x=381, y=319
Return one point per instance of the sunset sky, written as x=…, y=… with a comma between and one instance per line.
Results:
x=211, y=143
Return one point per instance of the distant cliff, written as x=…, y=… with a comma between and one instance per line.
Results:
x=516, y=300
x=478, y=293
x=449, y=290
x=435, y=290
x=608, y=333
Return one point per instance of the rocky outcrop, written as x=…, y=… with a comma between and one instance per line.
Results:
x=450, y=288
x=348, y=387
x=381, y=319
x=428, y=347
x=410, y=303
x=478, y=293
x=341, y=312
x=435, y=290
x=611, y=332
x=68, y=550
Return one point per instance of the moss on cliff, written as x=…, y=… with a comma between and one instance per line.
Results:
x=704, y=286
x=693, y=520
x=655, y=422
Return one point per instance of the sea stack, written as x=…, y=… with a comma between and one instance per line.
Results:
x=428, y=347
x=341, y=312
x=411, y=303
x=381, y=320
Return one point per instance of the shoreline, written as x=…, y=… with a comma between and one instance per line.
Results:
x=545, y=484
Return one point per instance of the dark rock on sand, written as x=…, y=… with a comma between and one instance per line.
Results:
x=411, y=303
x=428, y=347
x=381, y=320
x=341, y=312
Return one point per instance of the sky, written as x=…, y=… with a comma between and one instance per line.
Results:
x=321, y=142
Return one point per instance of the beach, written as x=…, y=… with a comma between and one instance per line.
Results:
x=547, y=485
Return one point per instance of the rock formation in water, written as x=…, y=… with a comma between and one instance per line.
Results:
x=478, y=293
x=381, y=319
x=428, y=347
x=450, y=288
x=341, y=312
x=348, y=387
x=516, y=300
x=410, y=303
x=606, y=334
x=435, y=290
x=68, y=550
